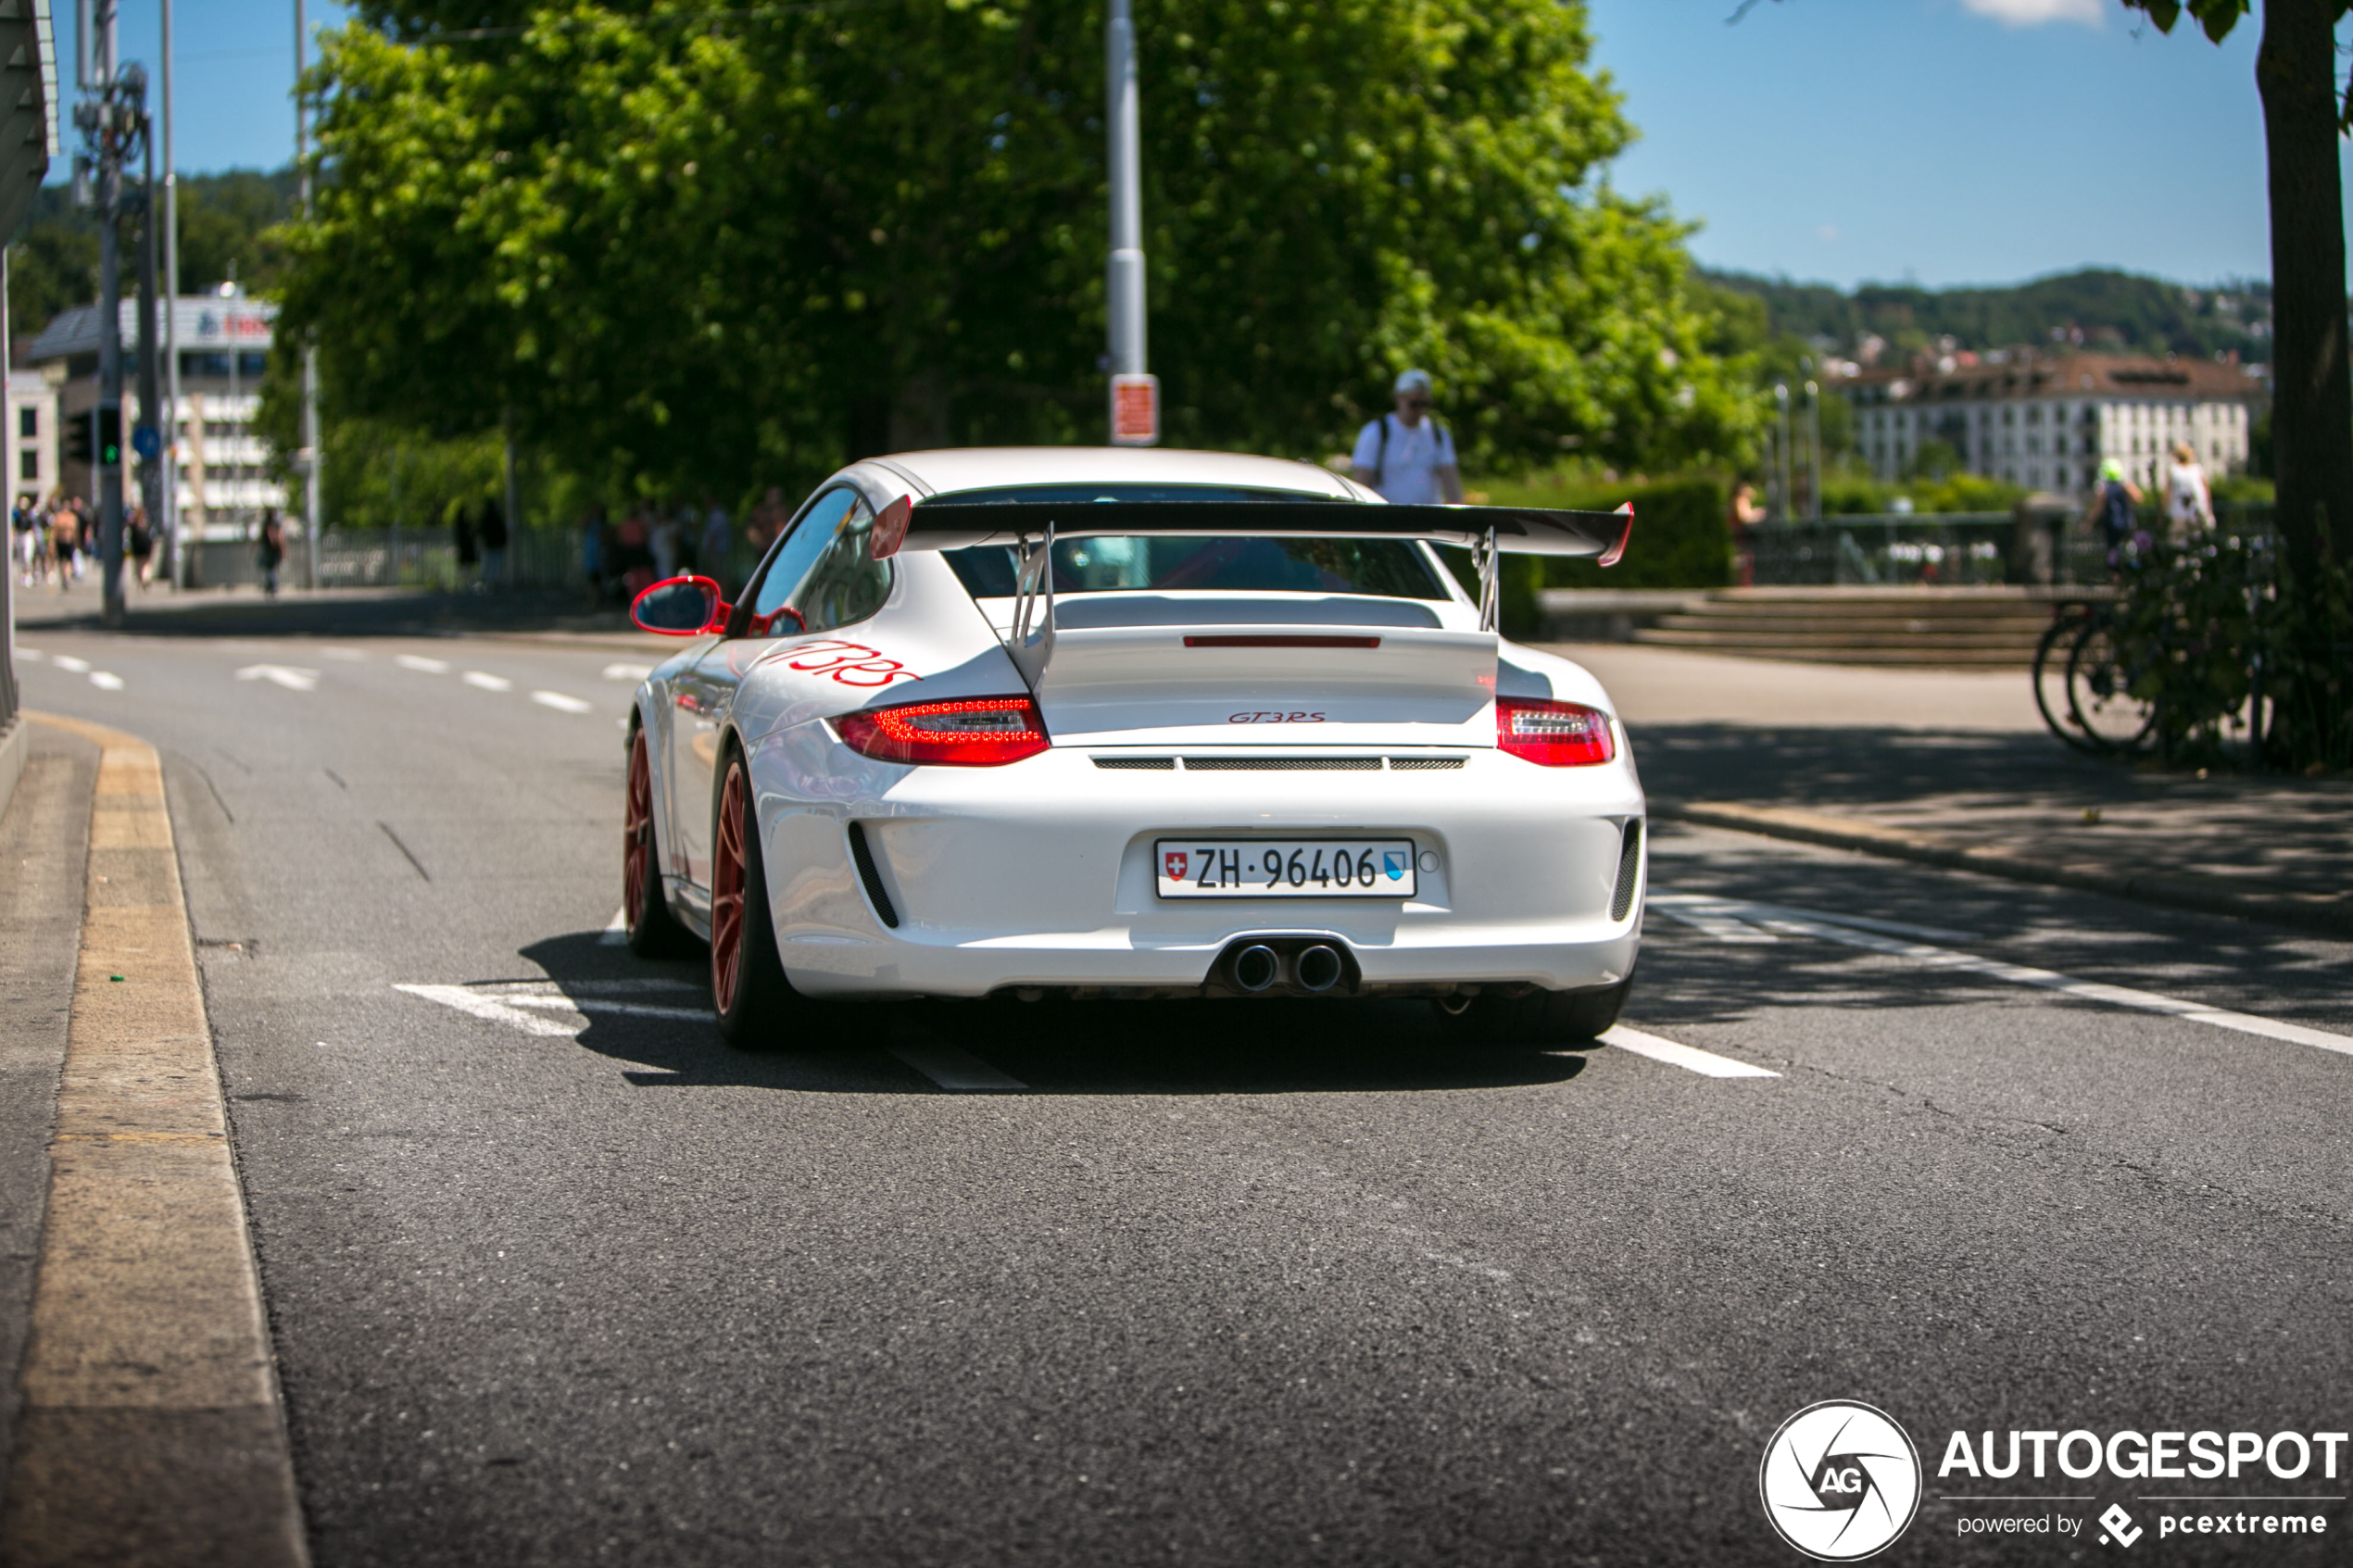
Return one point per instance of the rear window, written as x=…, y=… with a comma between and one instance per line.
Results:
x=1394, y=568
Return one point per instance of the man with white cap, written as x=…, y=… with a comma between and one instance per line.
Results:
x=1408, y=456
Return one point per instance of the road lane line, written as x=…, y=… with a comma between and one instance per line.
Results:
x=1691, y=908
x=419, y=662
x=561, y=703
x=1690, y=1058
x=104, y=681
x=39, y=658
x=491, y=1009
x=1803, y=923
x=630, y=672
x=285, y=675
x=151, y=1429
x=349, y=655
x=67, y=662
x=959, y=1071
x=616, y=931
x=488, y=682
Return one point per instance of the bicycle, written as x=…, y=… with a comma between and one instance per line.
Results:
x=2085, y=670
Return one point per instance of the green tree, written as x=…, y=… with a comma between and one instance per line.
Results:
x=675, y=248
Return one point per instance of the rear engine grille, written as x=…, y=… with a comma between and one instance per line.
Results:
x=1282, y=764
x=1630, y=865
x=1155, y=764
x=1423, y=764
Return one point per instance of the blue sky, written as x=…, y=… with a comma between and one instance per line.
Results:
x=1942, y=141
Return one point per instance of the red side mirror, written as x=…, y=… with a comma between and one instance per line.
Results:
x=681, y=606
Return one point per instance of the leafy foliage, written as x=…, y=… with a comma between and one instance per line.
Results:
x=225, y=220
x=676, y=246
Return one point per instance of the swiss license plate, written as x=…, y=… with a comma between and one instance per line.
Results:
x=1285, y=868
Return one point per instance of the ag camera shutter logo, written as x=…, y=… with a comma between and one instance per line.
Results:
x=1841, y=1481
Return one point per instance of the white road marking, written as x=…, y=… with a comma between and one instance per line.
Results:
x=560, y=702
x=293, y=680
x=616, y=931
x=105, y=681
x=349, y=655
x=627, y=672
x=468, y=1000
x=419, y=661
x=488, y=682
x=1803, y=922
x=1722, y=927
x=959, y=1071
x=1706, y=1063
x=66, y=662
x=39, y=658
x=1703, y=910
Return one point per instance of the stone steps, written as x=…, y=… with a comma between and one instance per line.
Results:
x=1971, y=627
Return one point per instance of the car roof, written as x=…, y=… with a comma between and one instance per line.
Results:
x=990, y=468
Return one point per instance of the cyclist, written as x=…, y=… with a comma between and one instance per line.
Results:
x=2112, y=506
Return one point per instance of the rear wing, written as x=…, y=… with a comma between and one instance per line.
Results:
x=1030, y=528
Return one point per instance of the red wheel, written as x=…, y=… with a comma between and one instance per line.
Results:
x=756, y=1003
x=645, y=913
x=728, y=892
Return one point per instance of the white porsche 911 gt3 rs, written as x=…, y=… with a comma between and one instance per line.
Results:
x=1119, y=722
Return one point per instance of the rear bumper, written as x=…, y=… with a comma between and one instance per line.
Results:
x=1040, y=874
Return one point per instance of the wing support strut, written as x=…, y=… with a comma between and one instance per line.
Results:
x=1033, y=633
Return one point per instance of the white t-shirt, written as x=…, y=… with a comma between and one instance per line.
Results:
x=1408, y=474
x=2186, y=501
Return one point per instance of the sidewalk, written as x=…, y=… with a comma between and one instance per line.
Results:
x=538, y=614
x=1955, y=768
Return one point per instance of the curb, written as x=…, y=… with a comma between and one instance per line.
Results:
x=151, y=1428
x=2329, y=915
x=13, y=746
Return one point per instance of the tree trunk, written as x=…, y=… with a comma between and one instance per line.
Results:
x=2312, y=421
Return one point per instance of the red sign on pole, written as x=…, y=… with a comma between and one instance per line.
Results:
x=1135, y=411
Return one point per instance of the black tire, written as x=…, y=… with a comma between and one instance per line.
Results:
x=2050, y=679
x=651, y=930
x=758, y=1009
x=2100, y=694
x=1554, y=1020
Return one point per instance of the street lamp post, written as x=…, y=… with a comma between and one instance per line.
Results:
x=312, y=457
x=1783, y=504
x=1135, y=393
x=171, y=328
x=1813, y=451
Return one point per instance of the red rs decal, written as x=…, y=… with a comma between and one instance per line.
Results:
x=852, y=664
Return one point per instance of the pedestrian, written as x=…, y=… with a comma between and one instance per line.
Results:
x=767, y=521
x=718, y=540
x=592, y=553
x=141, y=536
x=633, y=554
x=2112, y=506
x=665, y=543
x=270, y=552
x=65, y=538
x=2189, y=505
x=24, y=547
x=494, y=544
x=461, y=531
x=1408, y=456
x=1744, y=514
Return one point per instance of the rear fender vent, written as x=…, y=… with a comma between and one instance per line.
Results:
x=871, y=877
x=1630, y=870
x=1154, y=764
x=1424, y=764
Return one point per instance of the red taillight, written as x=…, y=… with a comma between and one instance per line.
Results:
x=1557, y=734
x=982, y=732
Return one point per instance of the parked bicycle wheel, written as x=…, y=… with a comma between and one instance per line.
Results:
x=2050, y=676
x=2099, y=692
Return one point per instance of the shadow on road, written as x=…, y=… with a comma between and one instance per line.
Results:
x=1177, y=1047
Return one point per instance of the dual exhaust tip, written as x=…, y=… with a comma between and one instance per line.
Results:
x=1313, y=969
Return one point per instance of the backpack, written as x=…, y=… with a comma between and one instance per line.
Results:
x=1380, y=462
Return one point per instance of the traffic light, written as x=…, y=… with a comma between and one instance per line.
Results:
x=78, y=438
x=111, y=438
x=108, y=428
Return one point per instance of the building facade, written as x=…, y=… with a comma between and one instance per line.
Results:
x=32, y=419
x=2048, y=422
x=218, y=465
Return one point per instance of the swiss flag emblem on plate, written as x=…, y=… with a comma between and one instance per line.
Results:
x=1174, y=864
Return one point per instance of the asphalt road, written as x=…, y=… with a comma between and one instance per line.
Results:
x=556, y=1277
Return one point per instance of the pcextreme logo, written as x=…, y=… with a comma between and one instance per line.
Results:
x=1841, y=1481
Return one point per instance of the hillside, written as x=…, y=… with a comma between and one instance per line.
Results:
x=2093, y=309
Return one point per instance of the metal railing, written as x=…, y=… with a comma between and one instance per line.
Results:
x=1954, y=549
